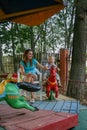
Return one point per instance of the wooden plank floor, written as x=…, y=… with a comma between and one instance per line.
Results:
x=69, y=106
x=53, y=115
x=22, y=119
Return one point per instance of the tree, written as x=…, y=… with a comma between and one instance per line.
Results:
x=3, y=39
x=76, y=86
x=1, y=64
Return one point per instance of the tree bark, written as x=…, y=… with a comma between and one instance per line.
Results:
x=69, y=44
x=1, y=64
x=32, y=40
x=13, y=47
x=76, y=86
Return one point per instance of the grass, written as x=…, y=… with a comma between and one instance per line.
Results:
x=82, y=125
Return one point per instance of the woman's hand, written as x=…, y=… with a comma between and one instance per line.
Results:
x=42, y=67
x=45, y=68
x=28, y=75
x=31, y=75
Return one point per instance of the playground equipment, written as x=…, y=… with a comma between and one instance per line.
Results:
x=11, y=94
x=52, y=84
x=36, y=86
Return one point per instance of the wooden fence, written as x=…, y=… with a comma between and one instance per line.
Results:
x=8, y=61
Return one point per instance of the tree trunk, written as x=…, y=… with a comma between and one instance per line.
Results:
x=32, y=40
x=13, y=47
x=1, y=64
x=69, y=43
x=19, y=37
x=76, y=86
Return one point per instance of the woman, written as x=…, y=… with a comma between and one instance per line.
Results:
x=29, y=68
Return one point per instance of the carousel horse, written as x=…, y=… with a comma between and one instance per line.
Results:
x=52, y=84
x=9, y=91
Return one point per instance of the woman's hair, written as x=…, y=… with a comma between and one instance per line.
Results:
x=25, y=57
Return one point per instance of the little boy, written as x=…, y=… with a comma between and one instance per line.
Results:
x=51, y=61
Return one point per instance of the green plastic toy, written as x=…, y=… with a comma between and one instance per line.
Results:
x=11, y=94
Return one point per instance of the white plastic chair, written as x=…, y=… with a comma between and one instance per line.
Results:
x=39, y=82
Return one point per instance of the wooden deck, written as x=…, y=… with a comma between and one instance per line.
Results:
x=55, y=115
x=69, y=106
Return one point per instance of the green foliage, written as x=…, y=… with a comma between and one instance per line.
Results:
x=54, y=33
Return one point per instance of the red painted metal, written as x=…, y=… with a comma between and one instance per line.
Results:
x=64, y=53
x=22, y=119
x=4, y=75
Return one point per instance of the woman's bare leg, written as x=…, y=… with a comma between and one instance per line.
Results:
x=30, y=78
x=32, y=93
x=27, y=79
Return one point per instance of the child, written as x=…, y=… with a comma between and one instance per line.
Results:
x=28, y=68
x=51, y=61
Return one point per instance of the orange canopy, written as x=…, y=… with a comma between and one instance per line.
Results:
x=29, y=12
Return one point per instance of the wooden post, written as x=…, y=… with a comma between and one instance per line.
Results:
x=64, y=66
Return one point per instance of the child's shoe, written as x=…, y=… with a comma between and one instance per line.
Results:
x=32, y=100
